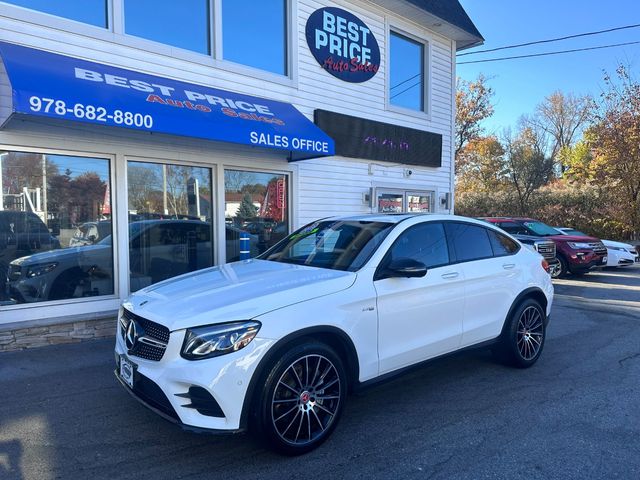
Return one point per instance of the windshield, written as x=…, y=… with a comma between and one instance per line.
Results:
x=333, y=244
x=541, y=229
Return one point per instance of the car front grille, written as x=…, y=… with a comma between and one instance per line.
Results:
x=598, y=248
x=151, y=338
x=546, y=249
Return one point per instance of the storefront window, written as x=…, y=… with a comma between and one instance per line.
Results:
x=55, y=228
x=184, y=24
x=170, y=228
x=420, y=202
x=389, y=202
x=256, y=206
x=407, y=73
x=93, y=12
x=399, y=201
x=254, y=33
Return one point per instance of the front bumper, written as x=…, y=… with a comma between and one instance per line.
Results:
x=585, y=260
x=164, y=386
x=619, y=258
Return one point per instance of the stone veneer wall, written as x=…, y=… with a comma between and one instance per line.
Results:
x=72, y=332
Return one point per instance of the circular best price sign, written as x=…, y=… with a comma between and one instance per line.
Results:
x=343, y=44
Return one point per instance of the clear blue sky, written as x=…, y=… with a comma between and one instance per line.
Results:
x=520, y=84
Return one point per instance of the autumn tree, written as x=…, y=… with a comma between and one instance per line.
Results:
x=480, y=166
x=145, y=188
x=526, y=166
x=614, y=139
x=473, y=105
x=558, y=122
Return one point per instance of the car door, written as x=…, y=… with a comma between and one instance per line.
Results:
x=419, y=318
x=492, y=278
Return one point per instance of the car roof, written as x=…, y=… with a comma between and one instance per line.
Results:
x=396, y=218
x=514, y=219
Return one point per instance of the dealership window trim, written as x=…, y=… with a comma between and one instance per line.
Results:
x=115, y=33
x=215, y=211
x=106, y=300
x=220, y=196
x=411, y=33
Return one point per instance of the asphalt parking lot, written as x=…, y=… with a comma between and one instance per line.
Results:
x=575, y=414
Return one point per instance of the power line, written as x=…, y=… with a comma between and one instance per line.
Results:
x=405, y=81
x=549, y=53
x=405, y=90
x=557, y=39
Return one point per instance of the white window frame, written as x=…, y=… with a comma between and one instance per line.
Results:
x=115, y=33
x=212, y=167
x=418, y=36
x=72, y=306
x=404, y=192
x=222, y=241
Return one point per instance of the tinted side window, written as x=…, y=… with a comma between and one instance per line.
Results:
x=502, y=245
x=425, y=243
x=203, y=233
x=35, y=225
x=514, y=228
x=470, y=242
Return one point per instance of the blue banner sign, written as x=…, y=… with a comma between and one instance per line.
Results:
x=343, y=44
x=56, y=86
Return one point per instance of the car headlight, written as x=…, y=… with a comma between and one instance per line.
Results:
x=579, y=245
x=215, y=340
x=619, y=249
x=40, y=269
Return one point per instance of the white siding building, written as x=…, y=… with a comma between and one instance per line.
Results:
x=165, y=195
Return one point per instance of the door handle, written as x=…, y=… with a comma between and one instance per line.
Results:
x=450, y=275
x=508, y=266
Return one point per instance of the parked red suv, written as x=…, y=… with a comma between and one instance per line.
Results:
x=577, y=255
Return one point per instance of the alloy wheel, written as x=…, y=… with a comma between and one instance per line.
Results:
x=306, y=400
x=530, y=333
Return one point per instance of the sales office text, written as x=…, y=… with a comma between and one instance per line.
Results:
x=282, y=141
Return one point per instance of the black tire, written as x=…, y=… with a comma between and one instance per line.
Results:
x=293, y=415
x=522, y=339
x=563, y=268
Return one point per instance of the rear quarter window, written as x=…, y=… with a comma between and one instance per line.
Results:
x=501, y=244
x=470, y=242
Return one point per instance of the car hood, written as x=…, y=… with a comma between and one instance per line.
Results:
x=530, y=238
x=572, y=238
x=611, y=243
x=61, y=254
x=235, y=291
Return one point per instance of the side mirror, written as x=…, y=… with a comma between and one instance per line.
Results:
x=405, y=268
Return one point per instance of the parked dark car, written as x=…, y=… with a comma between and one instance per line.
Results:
x=158, y=249
x=21, y=233
x=576, y=255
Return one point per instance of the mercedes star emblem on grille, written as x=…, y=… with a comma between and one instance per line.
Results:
x=132, y=335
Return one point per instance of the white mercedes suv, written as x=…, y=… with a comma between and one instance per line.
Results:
x=276, y=343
